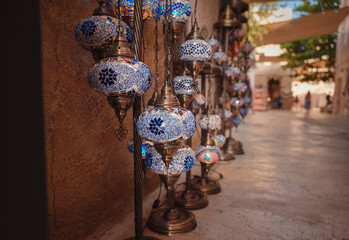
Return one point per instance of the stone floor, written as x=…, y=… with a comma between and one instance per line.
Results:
x=292, y=183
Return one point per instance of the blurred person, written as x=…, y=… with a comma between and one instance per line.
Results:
x=307, y=101
x=279, y=101
x=329, y=104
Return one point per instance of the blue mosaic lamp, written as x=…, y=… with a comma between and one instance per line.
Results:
x=243, y=111
x=220, y=58
x=184, y=84
x=178, y=14
x=146, y=145
x=98, y=32
x=183, y=161
x=195, y=51
x=236, y=121
x=150, y=9
x=166, y=124
x=184, y=87
x=219, y=139
x=121, y=78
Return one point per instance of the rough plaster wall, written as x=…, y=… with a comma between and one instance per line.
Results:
x=89, y=172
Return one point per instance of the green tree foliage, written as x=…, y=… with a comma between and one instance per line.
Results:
x=313, y=59
x=257, y=13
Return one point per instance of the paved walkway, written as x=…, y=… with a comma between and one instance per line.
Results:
x=292, y=183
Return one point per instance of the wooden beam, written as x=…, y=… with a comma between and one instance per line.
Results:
x=316, y=24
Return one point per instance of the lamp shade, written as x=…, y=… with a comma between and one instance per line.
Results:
x=219, y=140
x=198, y=101
x=246, y=47
x=180, y=11
x=145, y=146
x=247, y=100
x=210, y=122
x=150, y=8
x=232, y=72
x=195, y=50
x=214, y=43
x=243, y=111
x=208, y=154
x=184, y=84
x=236, y=121
x=220, y=57
x=120, y=76
x=183, y=161
x=240, y=87
x=236, y=102
x=164, y=125
x=97, y=33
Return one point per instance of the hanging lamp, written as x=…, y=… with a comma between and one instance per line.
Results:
x=150, y=9
x=121, y=78
x=179, y=12
x=98, y=32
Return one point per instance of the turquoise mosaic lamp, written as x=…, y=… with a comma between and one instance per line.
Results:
x=178, y=12
x=150, y=9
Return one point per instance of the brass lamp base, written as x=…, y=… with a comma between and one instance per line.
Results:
x=207, y=186
x=183, y=223
x=226, y=157
x=233, y=147
x=191, y=200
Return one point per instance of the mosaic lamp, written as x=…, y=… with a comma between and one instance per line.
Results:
x=239, y=34
x=198, y=102
x=246, y=64
x=243, y=111
x=121, y=78
x=146, y=145
x=150, y=9
x=220, y=57
x=178, y=14
x=184, y=87
x=183, y=161
x=246, y=48
x=214, y=43
x=166, y=124
x=210, y=122
x=236, y=121
x=98, y=32
x=207, y=153
x=195, y=51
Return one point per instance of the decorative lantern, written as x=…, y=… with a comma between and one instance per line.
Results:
x=210, y=122
x=236, y=121
x=195, y=51
x=208, y=154
x=146, y=145
x=240, y=6
x=243, y=111
x=179, y=14
x=232, y=72
x=98, y=32
x=239, y=34
x=246, y=48
x=166, y=125
x=214, y=43
x=183, y=161
x=219, y=139
x=121, y=78
x=150, y=9
x=220, y=58
x=246, y=64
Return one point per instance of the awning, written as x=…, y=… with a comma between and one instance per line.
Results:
x=316, y=24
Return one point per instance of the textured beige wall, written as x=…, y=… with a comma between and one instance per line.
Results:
x=89, y=172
